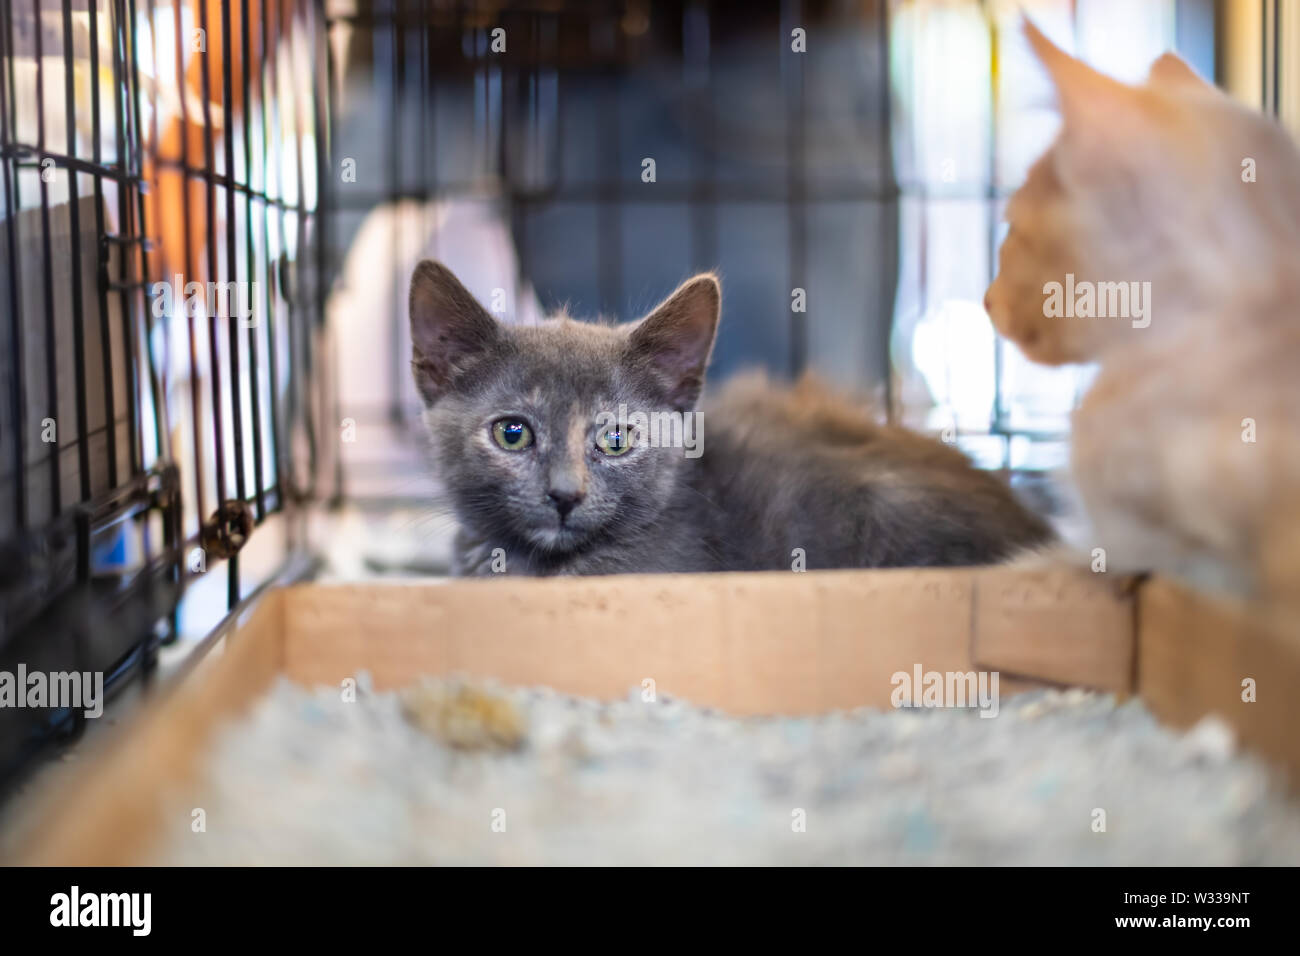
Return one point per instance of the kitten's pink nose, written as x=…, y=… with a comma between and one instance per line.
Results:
x=564, y=499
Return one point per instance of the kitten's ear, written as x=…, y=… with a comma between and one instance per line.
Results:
x=449, y=329
x=1171, y=73
x=1104, y=123
x=674, y=341
x=1088, y=99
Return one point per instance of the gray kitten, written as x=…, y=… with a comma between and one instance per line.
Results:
x=549, y=469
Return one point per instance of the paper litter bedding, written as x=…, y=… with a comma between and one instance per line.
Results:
x=456, y=772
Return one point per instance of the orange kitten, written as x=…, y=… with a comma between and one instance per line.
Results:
x=1186, y=450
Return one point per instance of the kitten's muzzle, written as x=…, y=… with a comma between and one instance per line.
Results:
x=565, y=500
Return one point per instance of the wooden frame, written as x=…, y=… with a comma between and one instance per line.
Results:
x=778, y=643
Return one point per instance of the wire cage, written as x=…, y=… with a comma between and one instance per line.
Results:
x=589, y=157
x=852, y=200
x=163, y=307
x=211, y=210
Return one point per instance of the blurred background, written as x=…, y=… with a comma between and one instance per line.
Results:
x=843, y=164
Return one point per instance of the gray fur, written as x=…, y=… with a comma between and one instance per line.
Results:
x=782, y=468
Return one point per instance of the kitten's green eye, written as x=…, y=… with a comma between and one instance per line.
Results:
x=614, y=442
x=512, y=434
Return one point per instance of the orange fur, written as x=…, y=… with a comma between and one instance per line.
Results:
x=1146, y=184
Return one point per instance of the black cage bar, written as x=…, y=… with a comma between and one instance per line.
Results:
x=164, y=175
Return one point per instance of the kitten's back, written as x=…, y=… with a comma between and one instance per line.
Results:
x=806, y=467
